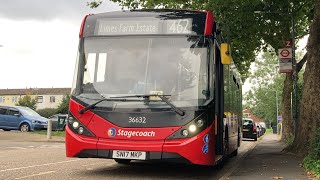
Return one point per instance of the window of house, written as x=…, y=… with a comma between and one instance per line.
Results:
x=0, y=99
x=246, y=114
x=14, y=99
x=52, y=99
x=40, y=99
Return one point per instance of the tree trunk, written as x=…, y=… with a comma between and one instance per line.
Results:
x=287, y=122
x=310, y=104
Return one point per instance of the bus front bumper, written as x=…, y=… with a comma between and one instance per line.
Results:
x=193, y=150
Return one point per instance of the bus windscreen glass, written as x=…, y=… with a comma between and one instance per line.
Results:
x=118, y=66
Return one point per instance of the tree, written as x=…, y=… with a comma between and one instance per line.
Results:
x=261, y=99
x=27, y=101
x=63, y=107
x=310, y=104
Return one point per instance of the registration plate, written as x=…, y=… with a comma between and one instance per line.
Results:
x=119, y=154
x=245, y=129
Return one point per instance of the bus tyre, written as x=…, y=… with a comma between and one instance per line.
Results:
x=122, y=161
x=24, y=127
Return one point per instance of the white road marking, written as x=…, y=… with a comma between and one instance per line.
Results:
x=32, y=147
x=32, y=175
x=26, y=167
x=94, y=164
x=17, y=148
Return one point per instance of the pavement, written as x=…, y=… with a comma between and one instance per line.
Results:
x=268, y=161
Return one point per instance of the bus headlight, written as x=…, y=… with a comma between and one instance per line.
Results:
x=77, y=127
x=191, y=129
x=80, y=130
x=185, y=133
x=200, y=122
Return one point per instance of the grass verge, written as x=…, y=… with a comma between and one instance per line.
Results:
x=269, y=131
x=54, y=133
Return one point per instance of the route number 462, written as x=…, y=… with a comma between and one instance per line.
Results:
x=182, y=26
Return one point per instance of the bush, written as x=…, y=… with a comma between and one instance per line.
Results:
x=27, y=101
x=312, y=161
x=47, y=112
x=63, y=107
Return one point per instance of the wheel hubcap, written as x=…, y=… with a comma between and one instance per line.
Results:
x=24, y=128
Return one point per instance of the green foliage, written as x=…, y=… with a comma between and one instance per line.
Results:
x=247, y=31
x=27, y=101
x=266, y=84
x=63, y=107
x=94, y=4
x=47, y=112
x=312, y=161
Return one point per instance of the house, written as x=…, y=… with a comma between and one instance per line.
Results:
x=247, y=113
x=46, y=97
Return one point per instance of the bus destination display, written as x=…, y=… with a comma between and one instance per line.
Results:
x=139, y=27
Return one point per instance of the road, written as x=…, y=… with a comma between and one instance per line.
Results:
x=32, y=157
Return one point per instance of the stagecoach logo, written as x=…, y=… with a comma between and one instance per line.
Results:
x=206, y=138
x=205, y=147
x=111, y=132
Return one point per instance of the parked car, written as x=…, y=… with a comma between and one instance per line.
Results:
x=263, y=127
x=259, y=129
x=59, y=121
x=21, y=118
x=249, y=129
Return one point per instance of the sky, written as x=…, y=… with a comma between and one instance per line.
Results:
x=39, y=41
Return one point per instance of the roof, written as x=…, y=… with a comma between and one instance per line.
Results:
x=36, y=91
x=251, y=116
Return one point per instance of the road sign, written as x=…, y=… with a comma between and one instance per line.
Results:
x=288, y=43
x=285, y=53
x=285, y=60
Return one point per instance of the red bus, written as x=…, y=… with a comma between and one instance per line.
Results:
x=154, y=85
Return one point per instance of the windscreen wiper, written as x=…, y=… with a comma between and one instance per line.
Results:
x=162, y=97
x=91, y=106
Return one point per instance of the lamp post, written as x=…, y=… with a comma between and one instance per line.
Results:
x=277, y=112
x=294, y=66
